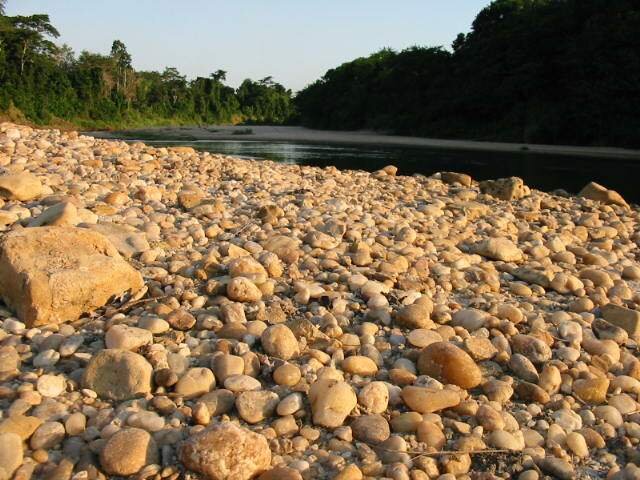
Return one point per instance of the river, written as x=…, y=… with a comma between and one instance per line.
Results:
x=546, y=171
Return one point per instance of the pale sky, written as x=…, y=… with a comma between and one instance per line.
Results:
x=295, y=41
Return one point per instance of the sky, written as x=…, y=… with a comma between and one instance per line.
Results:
x=295, y=41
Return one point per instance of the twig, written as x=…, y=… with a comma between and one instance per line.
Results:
x=447, y=452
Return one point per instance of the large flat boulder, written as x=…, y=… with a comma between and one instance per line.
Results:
x=20, y=186
x=55, y=274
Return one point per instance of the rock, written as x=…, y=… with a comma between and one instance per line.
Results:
x=125, y=337
x=126, y=239
x=595, y=191
x=331, y=401
x=51, y=385
x=191, y=197
x=61, y=214
x=359, y=365
x=577, y=444
x=530, y=392
x=431, y=434
x=64, y=273
x=75, y=424
x=20, y=186
x=350, y=472
x=286, y=248
x=454, y=177
x=181, y=320
x=47, y=436
x=512, y=188
x=290, y=404
x=195, y=383
x=21, y=425
x=593, y=390
x=226, y=451
x=531, y=348
x=427, y=400
x=118, y=375
x=557, y=468
x=281, y=473
x=280, y=342
x=501, y=249
x=242, y=383
x=225, y=366
x=287, y=375
x=622, y=317
x=255, y=406
x=241, y=289
x=218, y=402
x=523, y=368
x=370, y=429
x=128, y=451
x=9, y=363
x=374, y=397
x=450, y=364
x=11, y=454
x=417, y=315
x=506, y=441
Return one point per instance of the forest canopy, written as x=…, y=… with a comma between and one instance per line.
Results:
x=45, y=83
x=539, y=71
x=535, y=71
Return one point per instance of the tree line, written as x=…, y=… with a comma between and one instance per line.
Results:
x=534, y=71
x=45, y=83
x=539, y=71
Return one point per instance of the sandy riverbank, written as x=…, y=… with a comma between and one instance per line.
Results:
x=305, y=135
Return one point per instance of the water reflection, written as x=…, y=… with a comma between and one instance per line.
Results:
x=544, y=172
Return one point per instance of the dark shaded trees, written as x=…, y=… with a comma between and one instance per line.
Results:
x=545, y=71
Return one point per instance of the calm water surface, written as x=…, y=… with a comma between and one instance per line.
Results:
x=542, y=171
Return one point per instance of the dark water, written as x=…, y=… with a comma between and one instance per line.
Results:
x=542, y=171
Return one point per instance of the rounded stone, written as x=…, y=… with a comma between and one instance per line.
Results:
x=287, y=375
x=331, y=402
x=370, y=428
x=359, y=365
x=241, y=289
x=127, y=338
x=450, y=364
x=226, y=451
x=280, y=342
x=374, y=397
x=195, y=383
x=118, y=375
x=426, y=400
x=51, y=385
x=11, y=453
x=128, y=451
x=255, y=406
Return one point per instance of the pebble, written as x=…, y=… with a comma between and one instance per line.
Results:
x=280, y=342
x=128, y=451
x=51, y=385
x=331, y=402
x=450, y=364
x=226, y=451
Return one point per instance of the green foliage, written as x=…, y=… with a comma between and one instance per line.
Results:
x=545, y=71
x=49, y=84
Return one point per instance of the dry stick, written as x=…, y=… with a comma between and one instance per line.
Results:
x=447, y=452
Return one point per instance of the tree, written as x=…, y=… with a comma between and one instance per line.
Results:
x=122, y=60
x=3, y=7
x=219, y=76
x=29, y=36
